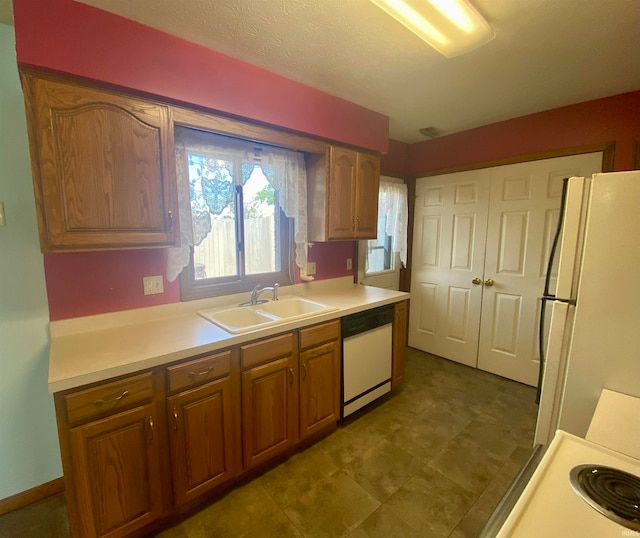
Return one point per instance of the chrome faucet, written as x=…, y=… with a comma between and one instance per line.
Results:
x=255, y=294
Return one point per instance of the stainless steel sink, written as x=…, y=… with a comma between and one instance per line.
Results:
x=242, y=319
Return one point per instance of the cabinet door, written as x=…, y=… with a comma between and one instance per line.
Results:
x=366, y=199
x=103, y=167
x=319, y=388
x=342, y=192
x=117, y=472
x=269, y=410
x=399, y=343
x=202, y=439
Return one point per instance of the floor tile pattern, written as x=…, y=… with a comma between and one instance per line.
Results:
x=430, y=461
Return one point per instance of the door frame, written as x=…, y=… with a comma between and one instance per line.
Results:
x=608, y=150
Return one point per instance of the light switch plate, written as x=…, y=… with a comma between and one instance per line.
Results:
x=311, y=268
x=349, y=264
x=153, y=285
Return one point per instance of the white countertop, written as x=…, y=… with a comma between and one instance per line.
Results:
x=616, y=423
x=95, y=348
x=548, y=505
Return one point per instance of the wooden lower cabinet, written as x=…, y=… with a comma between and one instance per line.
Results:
x=400, y=316
x=202, y=439
x=269, y=410
x=117, y=473
x=319, y=378
x=139, y=450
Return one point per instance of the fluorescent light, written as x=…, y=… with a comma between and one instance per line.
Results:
x=452, y=27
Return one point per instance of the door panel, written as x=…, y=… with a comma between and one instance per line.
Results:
x=118, y=471
x=496, y=225
x=201, y=439
x=525, y=202
x=448, y=253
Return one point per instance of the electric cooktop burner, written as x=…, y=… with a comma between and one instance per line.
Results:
x=612, y=492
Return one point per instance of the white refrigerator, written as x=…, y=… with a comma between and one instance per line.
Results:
x=594, y=330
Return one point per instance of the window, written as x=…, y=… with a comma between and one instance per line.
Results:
x=232, y=216
x=379, y=255
x=391, y=240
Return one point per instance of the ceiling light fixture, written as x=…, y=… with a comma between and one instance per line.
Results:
x=452, y=27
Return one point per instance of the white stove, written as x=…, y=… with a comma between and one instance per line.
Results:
x=549, y=506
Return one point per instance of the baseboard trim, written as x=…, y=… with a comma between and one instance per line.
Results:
x=19, y=500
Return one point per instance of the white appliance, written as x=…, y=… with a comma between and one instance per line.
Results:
x=549, y=505
x=366, y=357
x=594, y=333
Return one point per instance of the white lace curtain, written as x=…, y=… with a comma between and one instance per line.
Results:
x=392, y=203
x=289, y=179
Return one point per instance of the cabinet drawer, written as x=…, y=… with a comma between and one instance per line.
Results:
x=198, y=371
x=109, y=397
x=265, y=350
x=319, y=334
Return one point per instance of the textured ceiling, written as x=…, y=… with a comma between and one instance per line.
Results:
x=547, y=53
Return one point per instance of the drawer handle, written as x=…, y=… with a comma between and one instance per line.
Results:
x=198, y=374
x=304, y=374
x=102, y=402
x=151, y=429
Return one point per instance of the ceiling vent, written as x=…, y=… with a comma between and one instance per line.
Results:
x=431, y=132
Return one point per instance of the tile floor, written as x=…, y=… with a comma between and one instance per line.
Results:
x=430, y=461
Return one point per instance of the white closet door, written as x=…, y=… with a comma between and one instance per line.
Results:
x=493, y=224
x=523, y=216
x=448, y=253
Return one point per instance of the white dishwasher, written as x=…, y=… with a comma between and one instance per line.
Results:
x=366, y=357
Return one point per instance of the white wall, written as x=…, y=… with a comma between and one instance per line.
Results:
x=29, y=453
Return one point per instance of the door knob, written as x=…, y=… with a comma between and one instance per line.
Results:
x=476, y=281
x=488, y=282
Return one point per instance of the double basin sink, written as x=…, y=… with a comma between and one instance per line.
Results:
x=242, y=319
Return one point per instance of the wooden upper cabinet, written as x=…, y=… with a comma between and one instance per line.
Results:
x=102, y=165
x=342, y=193
x=366, y=200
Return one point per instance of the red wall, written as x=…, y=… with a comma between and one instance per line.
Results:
x=71, y=37
x=75, y=38
x=396, y=161
x=610, y=119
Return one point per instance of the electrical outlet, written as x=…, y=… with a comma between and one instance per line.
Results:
x=349, y=264
x=153, y=285
x=311, y=268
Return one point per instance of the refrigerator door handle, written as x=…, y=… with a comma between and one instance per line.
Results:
x=572, y=302
x=546, y=296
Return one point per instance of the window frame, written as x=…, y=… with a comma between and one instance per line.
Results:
x=192, y=288
x=203, y=120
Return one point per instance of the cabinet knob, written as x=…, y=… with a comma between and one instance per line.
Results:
x=291, y=374
x=304, y=372
x=489, y=282
x=151, y=429
x=170, y=217
x=175, y=419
